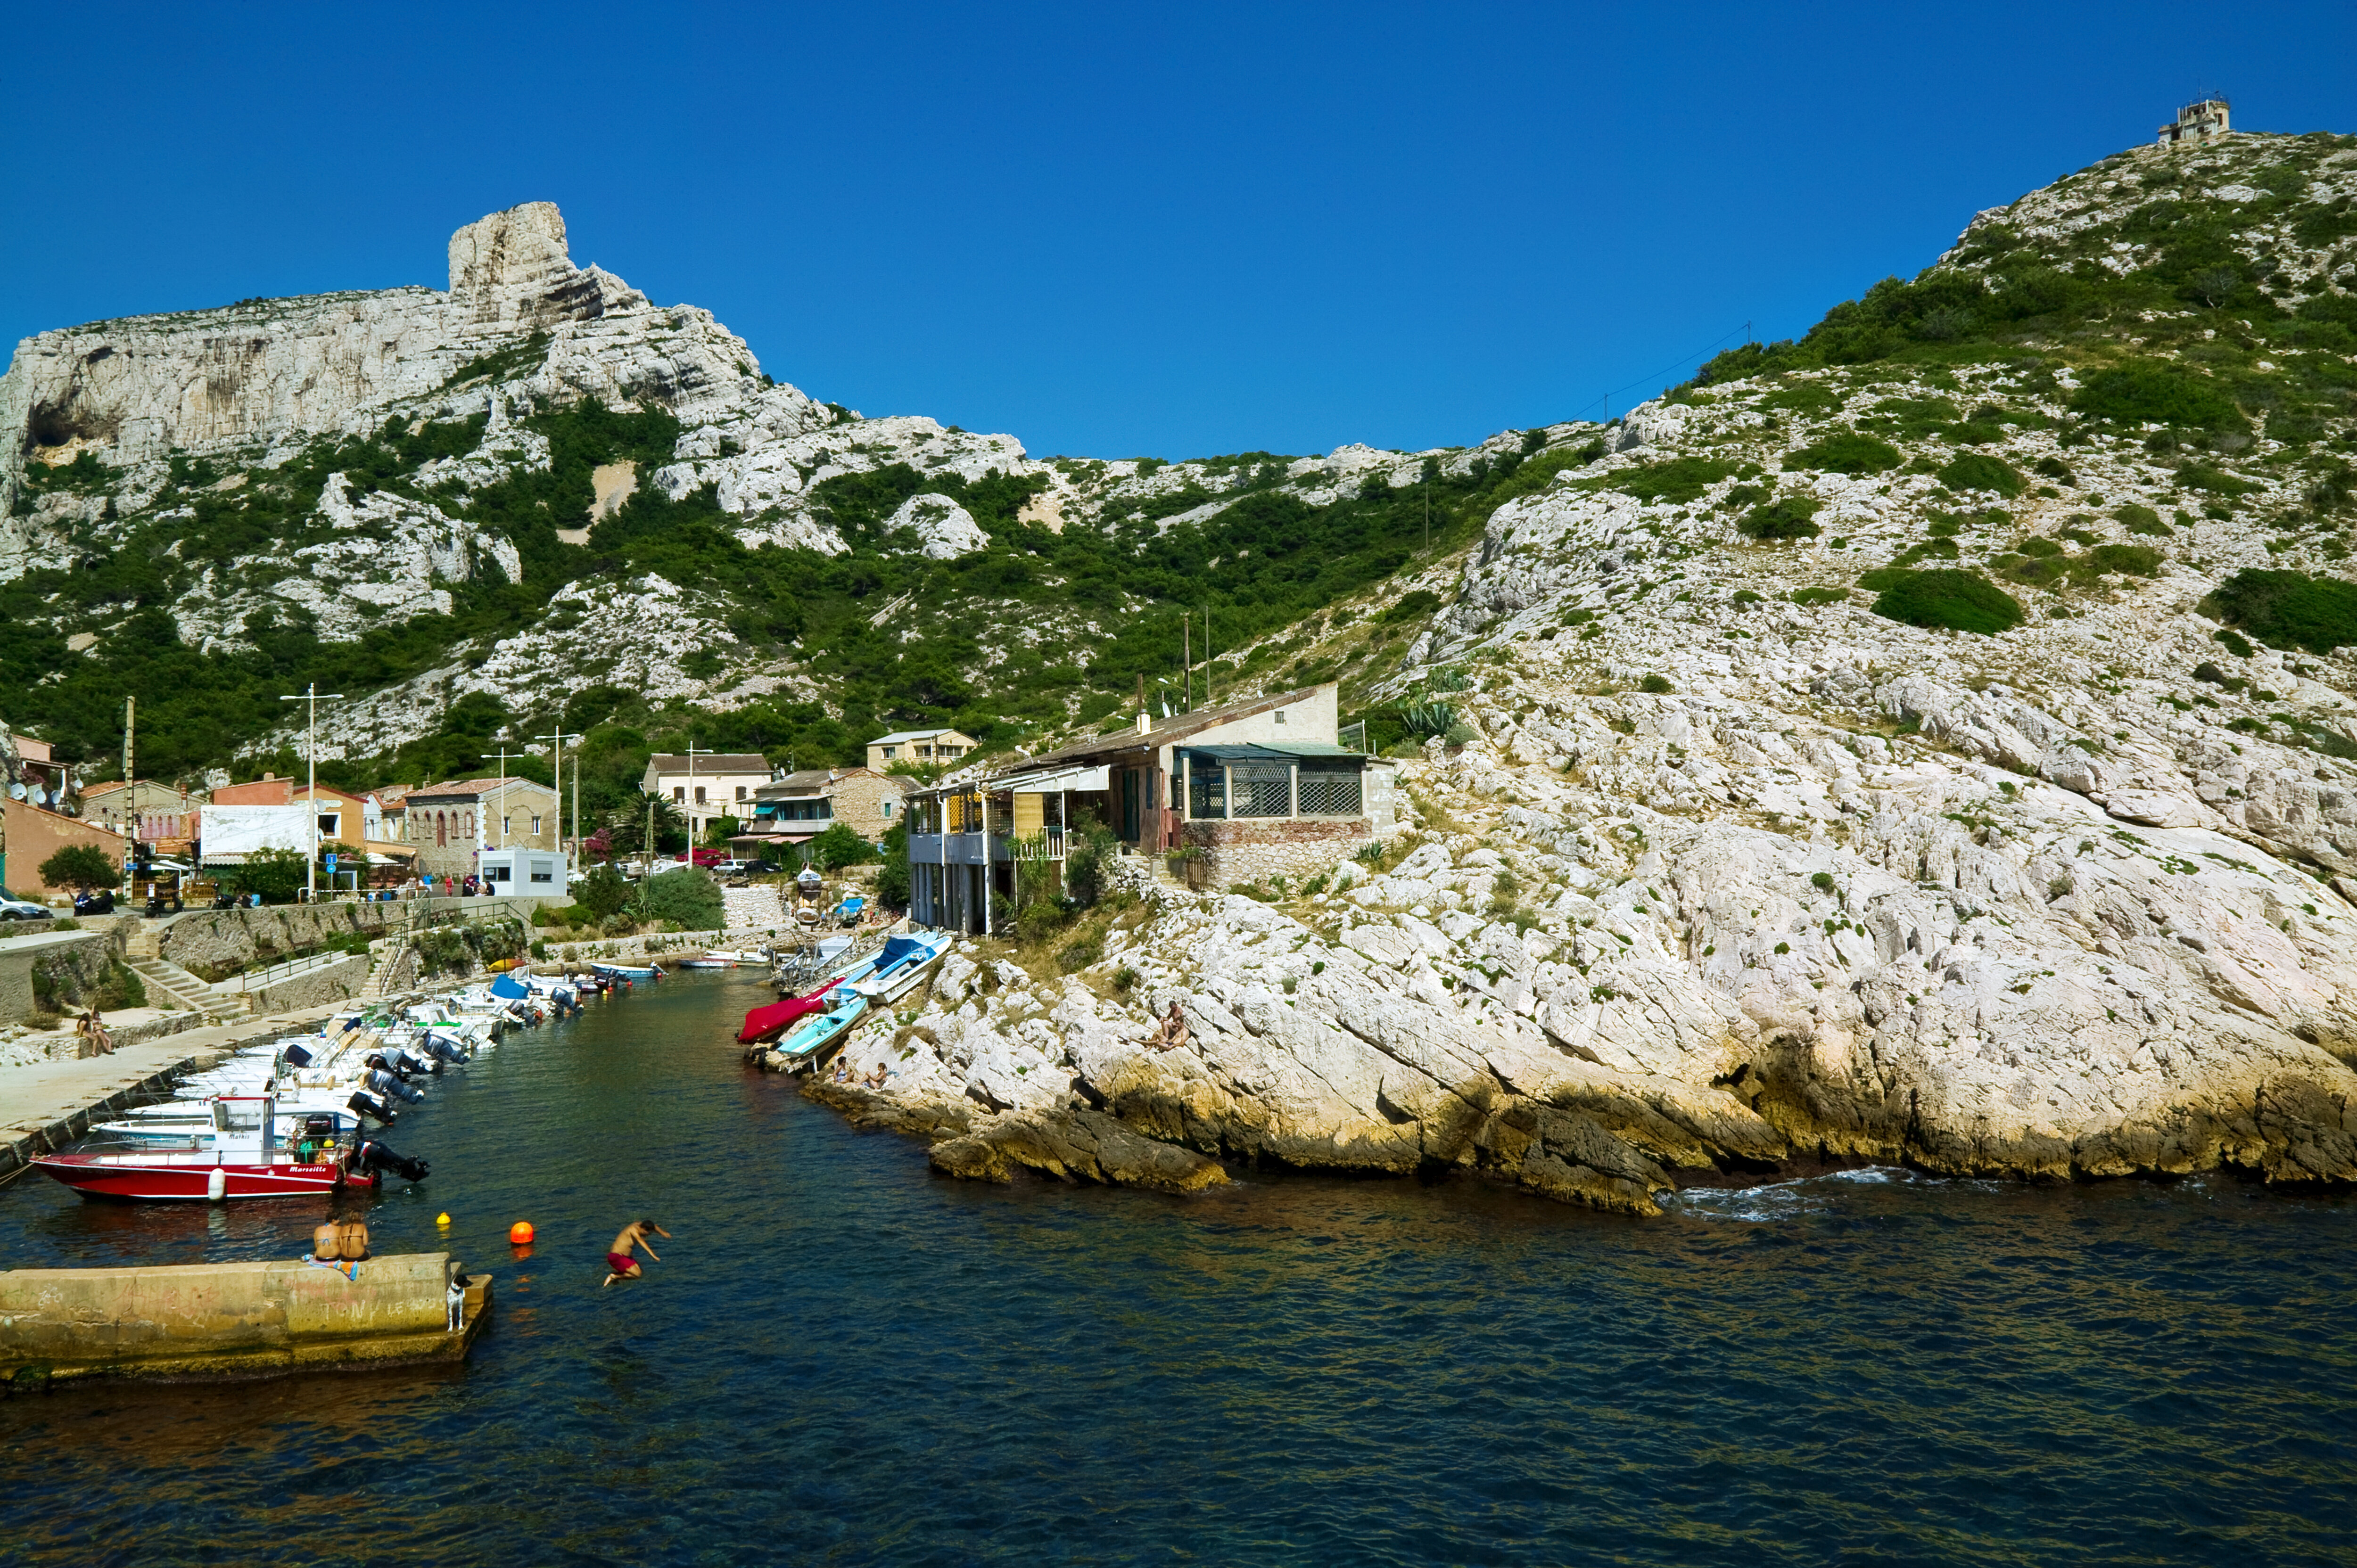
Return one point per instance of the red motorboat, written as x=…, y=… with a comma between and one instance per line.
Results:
x=244, y=1163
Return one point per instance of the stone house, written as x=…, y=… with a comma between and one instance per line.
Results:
x=921, y=747
x=1235, y=794
x=449, y=825
x=2197, y=123
x=267, y=790
x=799, y=807
x=143, y=809
x=708, y=785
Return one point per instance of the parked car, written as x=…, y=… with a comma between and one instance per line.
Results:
x=22, y=909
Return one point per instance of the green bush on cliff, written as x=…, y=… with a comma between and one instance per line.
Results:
x=2288, y=610
x=2160, y=395
x=1786, y=519
x=1846, y=452
x=1946, y=598
x=1978, y=471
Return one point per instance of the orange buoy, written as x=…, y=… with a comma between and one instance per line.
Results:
x=520, y=1233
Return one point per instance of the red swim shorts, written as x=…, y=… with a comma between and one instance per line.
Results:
x=620, y=1262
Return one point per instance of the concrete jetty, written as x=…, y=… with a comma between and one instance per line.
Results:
x=205, y=1321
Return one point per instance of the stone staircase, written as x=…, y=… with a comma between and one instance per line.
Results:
x=393, y=971
x=168, y=983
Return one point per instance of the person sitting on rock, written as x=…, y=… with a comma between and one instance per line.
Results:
x=875, y=1079
x=1172, y=1035
x=89, y=1027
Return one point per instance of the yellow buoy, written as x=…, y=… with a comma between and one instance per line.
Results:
x=520, y=1232
x=442, y=1218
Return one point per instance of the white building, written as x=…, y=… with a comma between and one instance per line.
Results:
x=707, y=785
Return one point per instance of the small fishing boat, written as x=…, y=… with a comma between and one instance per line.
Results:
x=899, y=966
x=807, y=1045
x=722, y=957
x=630, y=971
x=246, y=1161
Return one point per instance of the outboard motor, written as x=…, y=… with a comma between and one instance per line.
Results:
x=407, y=1065
x=296, y=1057
x=373, y=1156
x=384, y=1083
x=371, y=1107
x=441, y=1049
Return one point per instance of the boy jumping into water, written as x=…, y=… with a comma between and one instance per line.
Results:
x=618, y=1256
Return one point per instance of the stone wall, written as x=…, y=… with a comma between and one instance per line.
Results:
x=65, y=966
x=208, y=939
x=1233, y=852
x=320, y=987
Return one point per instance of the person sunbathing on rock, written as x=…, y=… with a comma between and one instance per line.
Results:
x=1172, y=1035
x=875, y=1079
x=618, y=1262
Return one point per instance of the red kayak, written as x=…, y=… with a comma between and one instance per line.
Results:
x=188, y=1177
x=769, y=1023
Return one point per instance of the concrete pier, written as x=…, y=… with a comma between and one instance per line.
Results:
x=204, y=1321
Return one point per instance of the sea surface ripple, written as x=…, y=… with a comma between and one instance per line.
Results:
x=843, y=1360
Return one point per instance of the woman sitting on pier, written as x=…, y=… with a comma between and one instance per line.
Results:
x=89, y=1027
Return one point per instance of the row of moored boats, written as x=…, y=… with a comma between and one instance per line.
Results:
x=800, y=1032
x=305, y=1114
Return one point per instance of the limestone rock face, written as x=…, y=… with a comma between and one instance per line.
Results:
x=946, y=529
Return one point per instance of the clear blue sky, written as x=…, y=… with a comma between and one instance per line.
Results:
x=1113, y=232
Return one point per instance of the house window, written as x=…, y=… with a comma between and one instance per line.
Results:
x=535, y=827
x=887, y=811
x=678, y=794
x=507, y=826
x=890, y=752
x=328, y=821
x=740, y=792
x=441, y=829
x=924, y=751
x=1280, y=716
x=699, y=794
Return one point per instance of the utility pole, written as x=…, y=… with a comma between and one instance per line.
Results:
x=1187, y=639
x=557, y=754
x=502, y=756
x=130, y=800
x=312, y=696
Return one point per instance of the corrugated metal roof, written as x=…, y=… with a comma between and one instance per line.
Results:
x=1268, y=753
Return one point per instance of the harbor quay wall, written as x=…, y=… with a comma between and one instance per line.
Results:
x=321, y=987
x=53, y=970
x=214, y=939
x=226, y=1319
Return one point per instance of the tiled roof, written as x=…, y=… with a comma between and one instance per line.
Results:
x=897, y=735
x=1177, y=726
x=469, y=789
x=718, y=762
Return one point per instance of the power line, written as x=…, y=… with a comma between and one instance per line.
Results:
x=1607, y=397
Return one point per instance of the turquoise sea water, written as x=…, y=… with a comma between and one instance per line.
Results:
x=841, y=1358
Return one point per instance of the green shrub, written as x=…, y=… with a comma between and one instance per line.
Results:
x=2056, y=468
x=1657, y=685
x=1681, y=480
x=2134, y=394
x=2142, y=520
x=1088, y=855
x=1746, y=596
x=892, y=876
x=688, y=895
x=1846, y=452
x=1422, y=602
x=838, y=847
x=1786, y=518
x=1942, y=597
x=275, y=873
x=82, y=866
x=2127, y=560
x=2288, y=610
x=1819, y=595
x=2216, y=481
x=2234, y=642
x=1822, y=881
x=2037, y=547
x=600, y=896
x=1039, y=921
x=1978, y=471
x=1080, y=952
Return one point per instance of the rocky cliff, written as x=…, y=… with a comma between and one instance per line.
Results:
x=1857, y=763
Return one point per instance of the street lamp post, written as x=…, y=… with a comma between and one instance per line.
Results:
x=312, y=696
x=557, y=740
